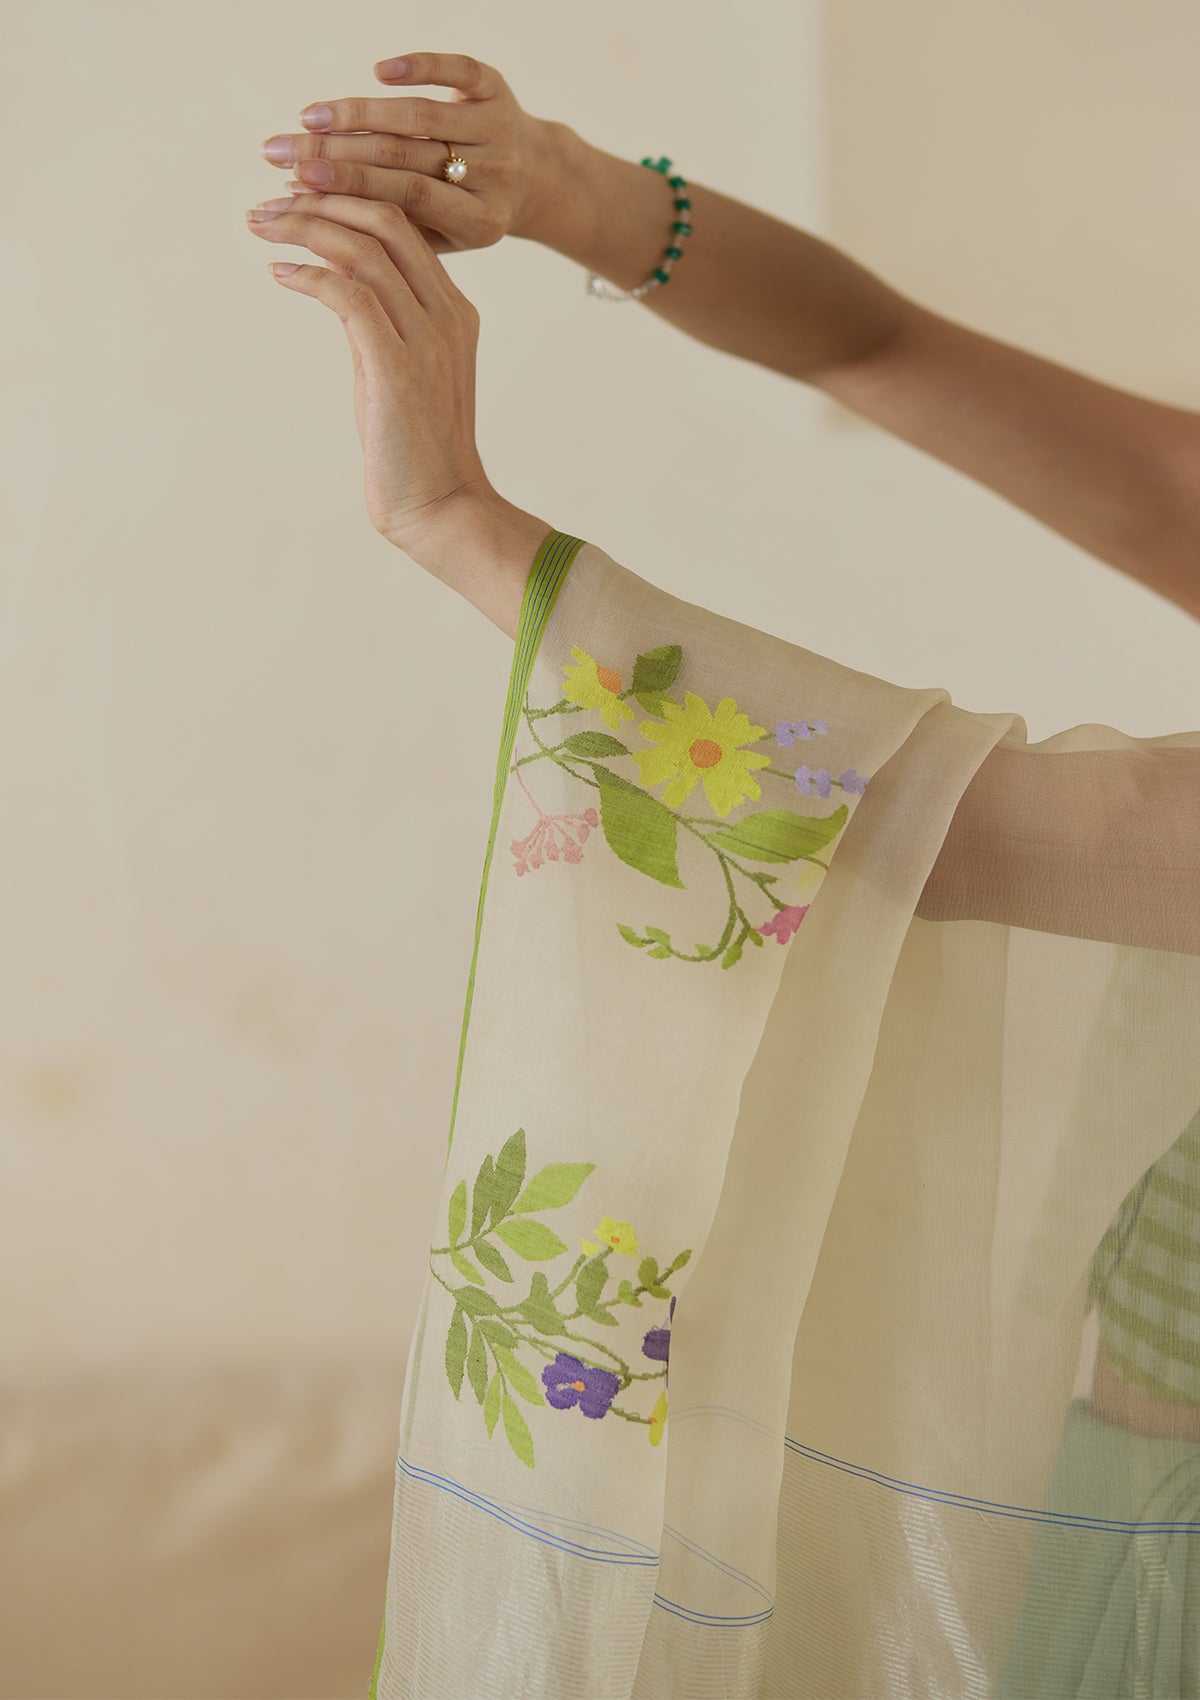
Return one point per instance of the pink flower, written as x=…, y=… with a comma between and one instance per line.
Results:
x=783, y=922
x=553, y=837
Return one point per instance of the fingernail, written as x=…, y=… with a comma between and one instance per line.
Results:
x=318, y=172
x=259, y=215
x=317, y=117
x=392, y=68
x=278, y=150
x=282, y=268
x=299, y=188
x=281, y=203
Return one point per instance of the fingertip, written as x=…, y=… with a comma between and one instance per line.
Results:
x=391, y=70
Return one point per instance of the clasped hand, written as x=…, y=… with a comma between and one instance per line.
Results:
x=412, y=332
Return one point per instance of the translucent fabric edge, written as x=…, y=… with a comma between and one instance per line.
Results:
x=546, y=577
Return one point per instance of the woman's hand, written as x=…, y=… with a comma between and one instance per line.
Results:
x=392, y=151
x=412, y=335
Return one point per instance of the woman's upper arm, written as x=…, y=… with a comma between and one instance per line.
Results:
x=1094, y=844
x=1115, y=472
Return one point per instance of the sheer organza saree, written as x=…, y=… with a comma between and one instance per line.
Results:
x=819, y=1040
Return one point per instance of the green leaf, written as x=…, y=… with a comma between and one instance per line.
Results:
x=589, y=1283
x=467, y=1270
x=732, y=954
x=628, y=933
x=658, y=1292
x=509, y=1176
x=539, y=1307
x=660, y=950
x=554, y=1185
x=756, y=937
x=639, y=829
x=653, y=672
x=627, y=1296
x=533, y=1241
x=648, y=1271
x=678, y=1263
x=706, y=952
x=599, y=1314
x=482, y=1195
x=496, y=1332
x=657, y=934
x=456, y=1216
x=477, y=1366
x=546, y=1321
x=594, y=744
x=475, y=1301
x=456, y=1351
x=491, y=1404
x=492, y=1260
x=779, y=835
x=517, y=1430
x=520, y=1377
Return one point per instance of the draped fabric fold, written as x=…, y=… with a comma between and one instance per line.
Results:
x=820, y=1039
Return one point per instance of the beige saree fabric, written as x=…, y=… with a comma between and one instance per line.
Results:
x=818, y=1033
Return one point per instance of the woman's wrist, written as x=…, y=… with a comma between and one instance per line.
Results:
x=609, y=215
x=749, y=283
x=480, y=545
x=552, y=166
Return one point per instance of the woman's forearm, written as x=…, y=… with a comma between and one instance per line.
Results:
x=747, y=283
x=483, y=547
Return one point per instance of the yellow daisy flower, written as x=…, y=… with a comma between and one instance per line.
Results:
x=696, y=744
x=593, y=686
x=619, y=1235
x=658, y=1419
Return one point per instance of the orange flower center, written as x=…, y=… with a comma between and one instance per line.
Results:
x=705, y=753
x=579, y=1386
x=610, y=680
x=614, y=1239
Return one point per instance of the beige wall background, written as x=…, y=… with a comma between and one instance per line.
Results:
x=247, y=748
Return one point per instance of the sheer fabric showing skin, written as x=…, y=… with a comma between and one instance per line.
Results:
x=813, y=1304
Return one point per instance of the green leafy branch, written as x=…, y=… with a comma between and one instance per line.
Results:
x=643, y=831
x=485, y=1336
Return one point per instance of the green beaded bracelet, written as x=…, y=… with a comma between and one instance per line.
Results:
x=599, y=290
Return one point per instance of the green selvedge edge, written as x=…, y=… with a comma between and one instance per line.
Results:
x=546, y=578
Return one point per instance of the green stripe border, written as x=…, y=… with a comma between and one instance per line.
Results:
x=373, y=1691
x=546, y=578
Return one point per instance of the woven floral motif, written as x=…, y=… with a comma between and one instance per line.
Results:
x=699, y=755
x=559, y=1336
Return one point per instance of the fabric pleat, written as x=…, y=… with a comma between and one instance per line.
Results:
x=812, y=1306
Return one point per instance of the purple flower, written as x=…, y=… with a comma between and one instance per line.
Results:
x=568, y=1382
x=787, y=731
x=811, y=783
x=852, y=781
x=656, y=1343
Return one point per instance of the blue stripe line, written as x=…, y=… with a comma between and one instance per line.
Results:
x=710, y=1558
x=708, y=1617
x=480, y=1502
x=994, y=1507
x=647, y=1562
